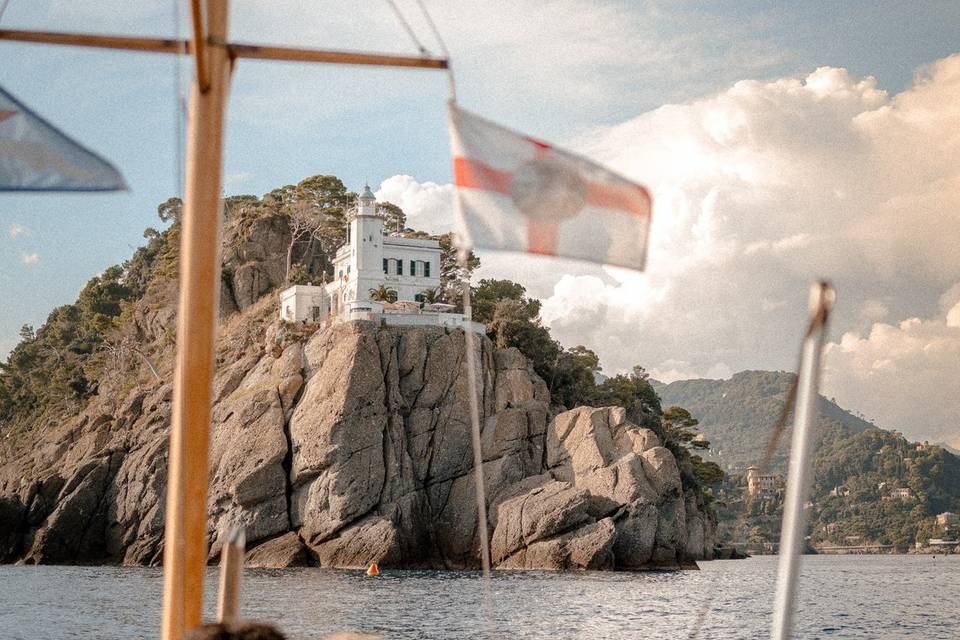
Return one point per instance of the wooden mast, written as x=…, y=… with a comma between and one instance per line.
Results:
x=185, y=549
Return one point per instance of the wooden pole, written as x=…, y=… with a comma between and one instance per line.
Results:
x=231, y=569
x=290, y=54
x=236, y=50
x=185, y=549
x=152, y=45
x=793, y=526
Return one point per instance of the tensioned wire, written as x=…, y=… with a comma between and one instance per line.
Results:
x=470, y=346
x=407, y=28
x=419, y=44
x=180, y=106
x=443, y=49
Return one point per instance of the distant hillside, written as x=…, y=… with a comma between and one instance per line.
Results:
x=856, y=467
x=737, y=415
x=945, y=446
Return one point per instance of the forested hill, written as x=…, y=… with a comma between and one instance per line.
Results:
x=737, y=415
x=857, y=465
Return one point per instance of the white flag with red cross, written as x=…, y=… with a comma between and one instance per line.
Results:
x=515, y=193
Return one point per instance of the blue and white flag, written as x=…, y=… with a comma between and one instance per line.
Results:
x=35, y=156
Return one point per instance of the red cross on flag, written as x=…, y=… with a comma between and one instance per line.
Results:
x=515, y=193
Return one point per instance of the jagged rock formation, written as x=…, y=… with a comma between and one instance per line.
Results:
x=352, y=445
x=253, y=260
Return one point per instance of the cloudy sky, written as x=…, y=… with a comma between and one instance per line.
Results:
x=781, y=144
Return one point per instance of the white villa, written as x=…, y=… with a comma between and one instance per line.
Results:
x=372, y=258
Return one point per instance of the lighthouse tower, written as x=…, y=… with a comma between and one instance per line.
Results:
x=366, y=235
x=366, y=248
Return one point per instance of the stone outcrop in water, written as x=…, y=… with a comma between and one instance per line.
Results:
x=351, y=446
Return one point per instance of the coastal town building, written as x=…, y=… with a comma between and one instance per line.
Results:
x=371, y=263
x=948, y=519
x=901, y=493
x=760, y=484
x=943, y=544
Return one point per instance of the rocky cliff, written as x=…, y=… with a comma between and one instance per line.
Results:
x=351, y=445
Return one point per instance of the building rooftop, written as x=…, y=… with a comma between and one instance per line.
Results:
x=400, y=241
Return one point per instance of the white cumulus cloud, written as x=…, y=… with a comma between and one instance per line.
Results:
x=428, y=205
x=903, y=375
x=30, y=258
x=759, y=190
x=17, y=230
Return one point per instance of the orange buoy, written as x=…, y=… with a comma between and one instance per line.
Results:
x=372, y=570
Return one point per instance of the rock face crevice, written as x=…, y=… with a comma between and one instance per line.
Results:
x=352, y=446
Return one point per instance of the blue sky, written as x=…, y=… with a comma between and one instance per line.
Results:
x=568, y=71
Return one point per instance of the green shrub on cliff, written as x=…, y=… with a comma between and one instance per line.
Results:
x=513, y=320
x=58, y=363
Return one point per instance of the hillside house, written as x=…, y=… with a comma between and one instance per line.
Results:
x=901, y=493
x=760, y=484
x=948, y=519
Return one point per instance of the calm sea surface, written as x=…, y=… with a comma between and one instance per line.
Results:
x=841, y=597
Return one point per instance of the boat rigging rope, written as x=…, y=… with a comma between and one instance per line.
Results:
x=3, y=7
x=433, y=28
x=443, y=49
x=180, y=106
x=470, y=345
x=406, y=26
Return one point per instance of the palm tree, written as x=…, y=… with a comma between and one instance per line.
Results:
x=383, y=293
x=432, y=296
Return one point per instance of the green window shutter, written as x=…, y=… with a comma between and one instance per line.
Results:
x=385, y=263
x=400, y=266
x=426, y=269
x=413, y=268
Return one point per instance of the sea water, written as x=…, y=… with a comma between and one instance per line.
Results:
x=840, y=597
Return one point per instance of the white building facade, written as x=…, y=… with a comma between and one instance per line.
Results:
x=371, y=259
